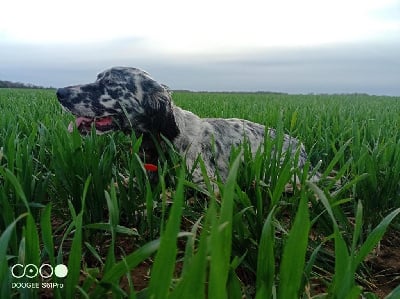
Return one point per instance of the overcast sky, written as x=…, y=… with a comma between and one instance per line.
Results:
x=309, y=46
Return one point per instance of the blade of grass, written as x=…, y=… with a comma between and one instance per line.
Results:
x=357, y=227
x=374, y=237
x=394, y=294
x=221, y=237
x=266, y=259
x=294, y=253
x=4, y=239
x=16, y=184
x=74, y=261
x=339, y=155
x=32, y=241
x=113, y=211
x=128, y=263
x=190, y=246
x=163, y=268
x=75, y=256
x=343, y=280
x=192, y=282
x=47, y=236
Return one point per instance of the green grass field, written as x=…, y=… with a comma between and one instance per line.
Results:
x=89, y=204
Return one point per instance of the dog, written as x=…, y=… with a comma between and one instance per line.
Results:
x=129, y=99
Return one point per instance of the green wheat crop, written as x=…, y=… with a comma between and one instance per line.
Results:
x=88, y=203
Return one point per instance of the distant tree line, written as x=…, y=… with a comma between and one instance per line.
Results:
x=233, y=92
x=9, y=84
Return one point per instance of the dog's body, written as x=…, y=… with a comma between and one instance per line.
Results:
x=129, y=99
x=213, y=138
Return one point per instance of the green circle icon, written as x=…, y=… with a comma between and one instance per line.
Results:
x=60, y=270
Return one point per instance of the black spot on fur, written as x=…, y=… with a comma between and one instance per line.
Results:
x=149, y=85
x=80, y=98
x=93, y=91
x=218, y=146
x=68, y=105
x=256, y=130
x=115, y=93
x=116, y=73
x=170, y=129
x=219, y=126
x=160, y=121
x=128, y=96
x=212, y=161
x=130, y=85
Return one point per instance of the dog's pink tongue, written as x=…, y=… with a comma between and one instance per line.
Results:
x=78, y=122
x=104, y=121
x=85, y=121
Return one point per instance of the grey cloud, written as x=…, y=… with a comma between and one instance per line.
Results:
x=368, y=68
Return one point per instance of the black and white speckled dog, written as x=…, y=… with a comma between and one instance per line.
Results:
x=129, y=99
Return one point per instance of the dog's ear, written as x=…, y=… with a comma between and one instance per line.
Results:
x=157, y=104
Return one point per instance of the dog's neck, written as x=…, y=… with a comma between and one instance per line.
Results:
x=188, y=126
x=170, y=129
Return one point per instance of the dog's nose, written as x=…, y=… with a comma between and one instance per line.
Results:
x=62, y=93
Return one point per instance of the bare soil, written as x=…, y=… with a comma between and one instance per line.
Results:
x=385, y=265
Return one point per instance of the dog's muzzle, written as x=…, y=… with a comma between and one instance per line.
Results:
x=84, y=123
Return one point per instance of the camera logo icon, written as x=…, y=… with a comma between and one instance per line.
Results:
x=44, y=271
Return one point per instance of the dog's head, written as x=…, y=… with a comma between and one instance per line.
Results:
x=124, y=99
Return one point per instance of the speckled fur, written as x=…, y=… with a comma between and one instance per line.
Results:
x=137, y=102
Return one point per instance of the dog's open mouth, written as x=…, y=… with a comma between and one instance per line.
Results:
x=84, y=124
